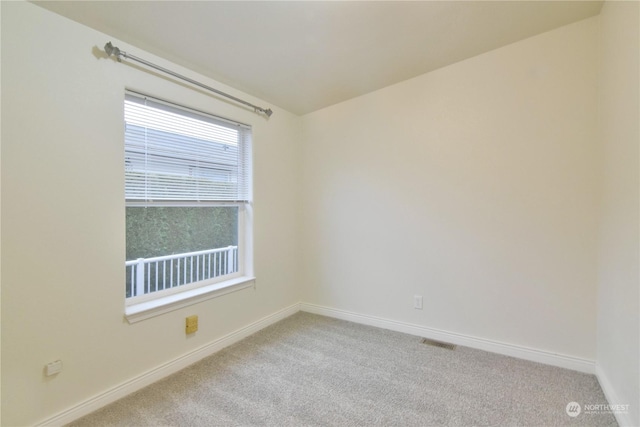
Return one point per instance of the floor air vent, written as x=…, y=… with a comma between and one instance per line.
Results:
x=440, y=344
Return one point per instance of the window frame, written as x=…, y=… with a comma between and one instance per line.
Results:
x=152, y=304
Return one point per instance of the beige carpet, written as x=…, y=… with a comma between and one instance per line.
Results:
x=309, y=370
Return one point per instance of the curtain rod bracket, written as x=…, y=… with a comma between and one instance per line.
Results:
x=110, y=49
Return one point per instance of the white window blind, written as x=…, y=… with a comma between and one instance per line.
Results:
x=176, y=154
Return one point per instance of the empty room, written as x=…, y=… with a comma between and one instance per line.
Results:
x=320, y=213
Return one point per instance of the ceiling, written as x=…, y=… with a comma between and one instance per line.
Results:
x=303, y=56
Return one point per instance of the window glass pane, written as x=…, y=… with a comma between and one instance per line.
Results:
x=165, y=231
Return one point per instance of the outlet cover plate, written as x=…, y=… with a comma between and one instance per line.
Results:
x=192, y=324
x=417, y=302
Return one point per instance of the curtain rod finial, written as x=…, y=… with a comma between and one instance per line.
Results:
x=110, y=49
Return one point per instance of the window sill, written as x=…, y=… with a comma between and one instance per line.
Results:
x=145, y=310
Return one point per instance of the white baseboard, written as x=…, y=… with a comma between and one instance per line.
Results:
x=623, y=419
x=166, y=369
x=547, y=358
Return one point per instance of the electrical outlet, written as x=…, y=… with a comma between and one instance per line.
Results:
x=53, y=368
x=192, y=324
x=417, y=302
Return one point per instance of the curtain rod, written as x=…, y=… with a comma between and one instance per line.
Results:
x=112, y=50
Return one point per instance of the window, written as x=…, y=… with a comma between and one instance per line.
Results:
x=187, y=190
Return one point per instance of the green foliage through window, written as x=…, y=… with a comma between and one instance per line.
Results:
x=159, y=231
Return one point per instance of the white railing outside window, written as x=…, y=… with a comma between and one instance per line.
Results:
x=148, y=275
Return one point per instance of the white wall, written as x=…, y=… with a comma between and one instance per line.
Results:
x=475, y=186
x=618, y=296
x=63, y=243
